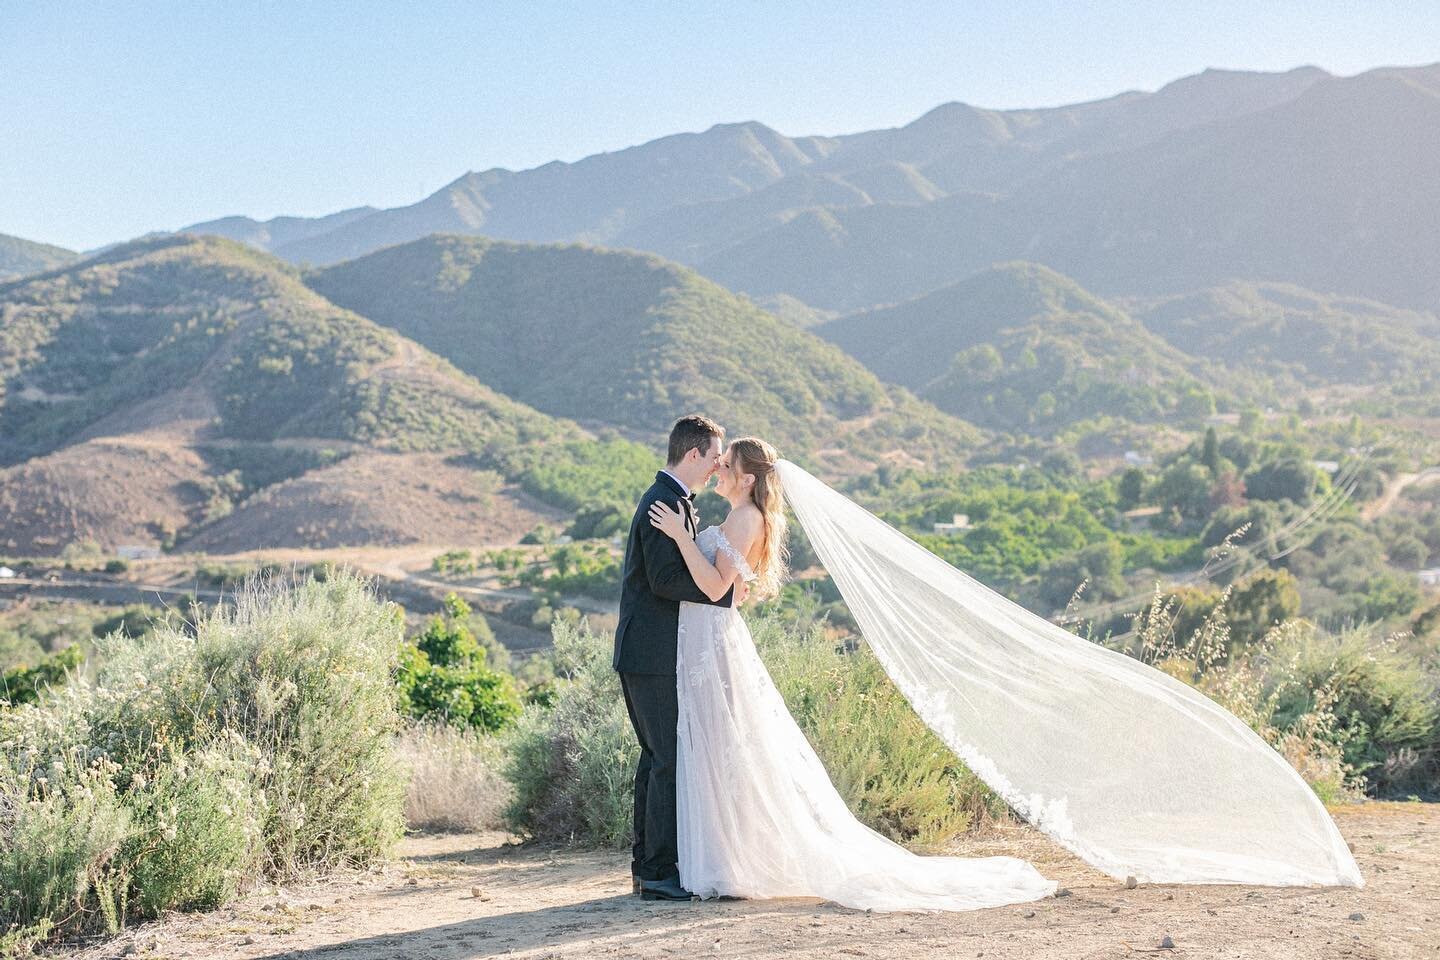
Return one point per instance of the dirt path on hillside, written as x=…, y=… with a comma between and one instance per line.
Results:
x=1397, y=486
x=475, y=895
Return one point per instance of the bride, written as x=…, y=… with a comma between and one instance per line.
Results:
x=1132, y=770
x=757, y=815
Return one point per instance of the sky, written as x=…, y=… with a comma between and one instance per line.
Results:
x=121, y=118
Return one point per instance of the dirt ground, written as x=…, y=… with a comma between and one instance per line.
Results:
x=478, y=895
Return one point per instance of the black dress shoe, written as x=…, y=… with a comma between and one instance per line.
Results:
x=667, y=889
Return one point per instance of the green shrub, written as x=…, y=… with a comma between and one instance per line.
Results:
x=1349, y=711
x=24, y=684
x=896, y=775
x=573, y=763
x=454, y=561
x=62, y=826
x=1386, y=720
x=197, y=828
x=260, y=743
x=443, y=675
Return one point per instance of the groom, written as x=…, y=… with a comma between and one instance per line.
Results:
x=653, y=582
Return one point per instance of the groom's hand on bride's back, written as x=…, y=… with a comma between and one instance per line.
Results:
x=742, y=591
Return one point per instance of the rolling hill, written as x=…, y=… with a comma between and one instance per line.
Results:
x=212, y=333
x=632, y=341
x=1019, y=347
x=19, y=257
x=1284, y=331
x=146, y=392
x=193, y=391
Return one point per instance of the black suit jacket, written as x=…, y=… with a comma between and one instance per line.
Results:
x=653, y=581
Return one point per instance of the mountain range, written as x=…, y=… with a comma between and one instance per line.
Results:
x=951, y=291
x=196, y=391
x=1300, y=177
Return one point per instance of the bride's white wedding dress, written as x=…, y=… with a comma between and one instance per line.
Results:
x=757, y=814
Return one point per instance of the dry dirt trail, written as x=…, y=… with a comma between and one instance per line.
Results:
x=1392, y=492
x=474, y=895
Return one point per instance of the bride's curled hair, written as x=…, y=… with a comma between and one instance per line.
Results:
x=756, y=457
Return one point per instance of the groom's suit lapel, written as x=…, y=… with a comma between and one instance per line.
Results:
x=686, y=504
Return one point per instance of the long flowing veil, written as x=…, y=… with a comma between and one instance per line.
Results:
x=1129, y=768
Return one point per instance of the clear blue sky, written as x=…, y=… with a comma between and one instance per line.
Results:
x=121, y=117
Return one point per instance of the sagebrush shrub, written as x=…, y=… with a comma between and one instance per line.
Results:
x=260, y=742
x=573, y=763
x=197, y=825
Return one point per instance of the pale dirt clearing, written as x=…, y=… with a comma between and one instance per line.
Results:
x=475, y=895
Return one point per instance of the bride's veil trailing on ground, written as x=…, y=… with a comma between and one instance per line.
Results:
x=1132, y=770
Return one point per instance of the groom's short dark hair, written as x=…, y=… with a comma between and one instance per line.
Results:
x=691, y=433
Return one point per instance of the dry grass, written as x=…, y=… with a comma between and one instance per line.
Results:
x=376, y=498
x=455, y=779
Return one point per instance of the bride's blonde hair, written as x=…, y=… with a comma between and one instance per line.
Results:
x=756, y=457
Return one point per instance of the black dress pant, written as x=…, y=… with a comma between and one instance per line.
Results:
x=655, y=714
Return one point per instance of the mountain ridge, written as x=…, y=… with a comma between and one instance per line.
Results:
x=770, y=214
x=992, y=347
x=20, y=257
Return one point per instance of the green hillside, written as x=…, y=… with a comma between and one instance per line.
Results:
x=19, y=257
x=1283, y=331
x=633, y=341
x=1020, y=347
x=185, y=328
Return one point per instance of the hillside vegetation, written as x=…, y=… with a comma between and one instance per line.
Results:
x=633, y=341
x=264, y=355
x=1295, y=336
x=19, y=256
x=1019, y=347
x=146, y=392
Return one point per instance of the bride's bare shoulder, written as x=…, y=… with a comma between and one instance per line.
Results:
x=743, y=526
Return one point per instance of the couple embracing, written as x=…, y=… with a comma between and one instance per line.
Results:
x=730, y=798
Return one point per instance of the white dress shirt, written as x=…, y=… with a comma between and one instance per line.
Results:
x=683, y=488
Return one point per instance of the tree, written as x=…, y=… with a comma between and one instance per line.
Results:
x=1289, y=478
x=1194, y=401
x=1062, y=463
x=1263, y=519
x=1185, y=486
x=1099, y=563
x=598, y=521
x=1227, y=491
x=980, y=362
x=1268, y=598
x=443, y=675
x=1131, y=488
x=1210, y=453
x=1238, y=450
x=1408, y=551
